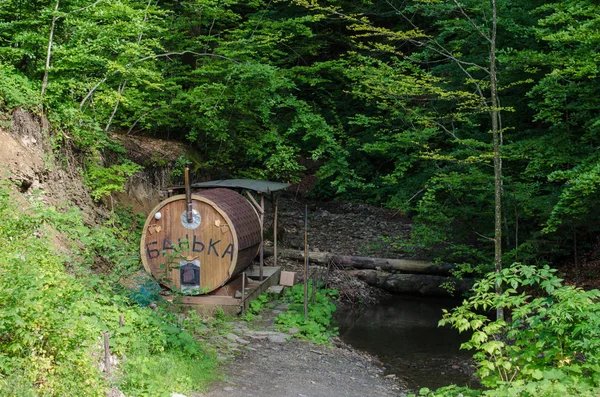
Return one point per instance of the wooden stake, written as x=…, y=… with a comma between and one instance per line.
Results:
x=107, y=368
x=313, y=291
x=306, y=262
x=121, y=320
x=253, y=201
x=243, y=293
x=276, y=200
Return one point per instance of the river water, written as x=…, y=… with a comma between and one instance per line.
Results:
x=403, y=332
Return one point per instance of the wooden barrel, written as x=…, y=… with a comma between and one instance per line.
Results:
x=200, y=256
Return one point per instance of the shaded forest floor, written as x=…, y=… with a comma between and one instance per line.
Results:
x=359, y=229
x=342, y=228
x=338, y=227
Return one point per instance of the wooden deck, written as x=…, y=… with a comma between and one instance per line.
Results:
x=225, y=297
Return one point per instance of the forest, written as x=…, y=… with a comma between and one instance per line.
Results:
x=403, y=104
x=477, y=119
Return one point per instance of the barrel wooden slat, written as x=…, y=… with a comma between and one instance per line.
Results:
x=214, y=242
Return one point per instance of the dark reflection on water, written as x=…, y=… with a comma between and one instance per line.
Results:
x=403, y=333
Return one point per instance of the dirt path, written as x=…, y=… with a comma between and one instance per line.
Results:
x=267, y=365
x=296, y=369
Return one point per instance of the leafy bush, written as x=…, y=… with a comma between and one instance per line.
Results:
x=51, y=321
x=257, y=305
x=317, y=326
x=16, y=89
x=550, y=344
x=41, y=334
x=116, y=242
x=103, y=181
x=165, y=373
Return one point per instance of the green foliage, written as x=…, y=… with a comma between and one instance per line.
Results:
x=259, y=303
x=553, y=384
x=448, y=391
x=549, y=340
x=147, y=292
x=179, y=166
x=114, y=242
x=576, y=199
x=378, y=99
x=41, y=334
x=415, y=134
x=163, y=357
x=317, y=327
x=16, y=90
x=103, y=181
x=51, y=320
x=165, y=373
x=384, y=102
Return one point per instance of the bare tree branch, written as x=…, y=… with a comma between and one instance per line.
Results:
x=89, y=94
x=49, y=51
x=112, y=115
x=484, y=237
x=85, y=8
x=141, y=117
x=145, y=19
x=485, y=36
x=260, y=19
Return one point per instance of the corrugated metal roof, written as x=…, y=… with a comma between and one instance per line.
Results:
x=248, y=184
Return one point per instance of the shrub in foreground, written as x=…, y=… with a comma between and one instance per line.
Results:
x=549, y=344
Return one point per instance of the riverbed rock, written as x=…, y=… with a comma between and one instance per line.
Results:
x=278, y=338
x=234, y=338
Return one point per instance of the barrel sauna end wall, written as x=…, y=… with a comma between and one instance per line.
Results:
x=197, y=257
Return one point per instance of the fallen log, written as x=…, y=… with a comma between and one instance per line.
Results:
x=414, y=284
x=361, y=262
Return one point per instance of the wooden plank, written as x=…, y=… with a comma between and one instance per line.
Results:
x=262, y=236
x=208, y=304
x=206, y=300
x=275, y=220
x=268, y=271
x=272, y=280
x=276, y=289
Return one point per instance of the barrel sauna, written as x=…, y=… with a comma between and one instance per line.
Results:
x=200, y=252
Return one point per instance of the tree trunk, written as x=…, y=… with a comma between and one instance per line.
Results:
x=496, y=133
x=49, y=51
x=360, y=262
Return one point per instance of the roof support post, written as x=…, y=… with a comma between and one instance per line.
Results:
x=262, y=235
